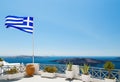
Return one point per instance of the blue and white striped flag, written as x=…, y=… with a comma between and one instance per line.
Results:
x=22, y=23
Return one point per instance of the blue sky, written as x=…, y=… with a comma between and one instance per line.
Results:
x=63, y=27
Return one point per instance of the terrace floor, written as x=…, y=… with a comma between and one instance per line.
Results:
x=38, y=78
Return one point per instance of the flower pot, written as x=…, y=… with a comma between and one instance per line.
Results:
x=1, y=63
x=47, y=74
x=85, y=78
x=69, y=74
x=15, y=76
x=30, y=70
x=110, y=80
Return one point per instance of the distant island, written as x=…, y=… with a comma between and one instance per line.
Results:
x=79, y=61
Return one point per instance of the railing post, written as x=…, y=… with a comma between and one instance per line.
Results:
x=92, y=72
x=100, y=74
x=0, y=70
x=119, y=75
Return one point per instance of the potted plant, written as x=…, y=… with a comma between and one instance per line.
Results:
x=49, y=71
x=13, y=73
x=69, y=72
x=109, y=66
x=30, y=70
x=85, y=73
x=1, y=62
x=1, y=59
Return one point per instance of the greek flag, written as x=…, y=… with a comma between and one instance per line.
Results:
x=22, y=23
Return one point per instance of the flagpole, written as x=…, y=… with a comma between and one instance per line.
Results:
x=28, y=24
x=33, y=47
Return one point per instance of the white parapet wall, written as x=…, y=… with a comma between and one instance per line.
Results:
x=37, y=68
x=76, y=70
x=12, y=76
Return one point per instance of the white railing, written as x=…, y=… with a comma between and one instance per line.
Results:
x=99, y=73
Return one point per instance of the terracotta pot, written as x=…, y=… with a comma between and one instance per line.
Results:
x=30, y=70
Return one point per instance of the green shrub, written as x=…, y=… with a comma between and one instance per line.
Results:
x=12, y=71
x=85, y=69
x=1, y=59
x=50, y=69
x=109, y=66
x=1, y=63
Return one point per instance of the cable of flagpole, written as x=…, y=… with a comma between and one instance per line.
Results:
x=33, y=46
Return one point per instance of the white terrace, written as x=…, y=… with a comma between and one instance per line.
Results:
x=97, y=74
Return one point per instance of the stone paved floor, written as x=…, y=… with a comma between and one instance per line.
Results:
x=38, y=78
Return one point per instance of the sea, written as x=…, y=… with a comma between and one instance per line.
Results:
x=50, y=59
